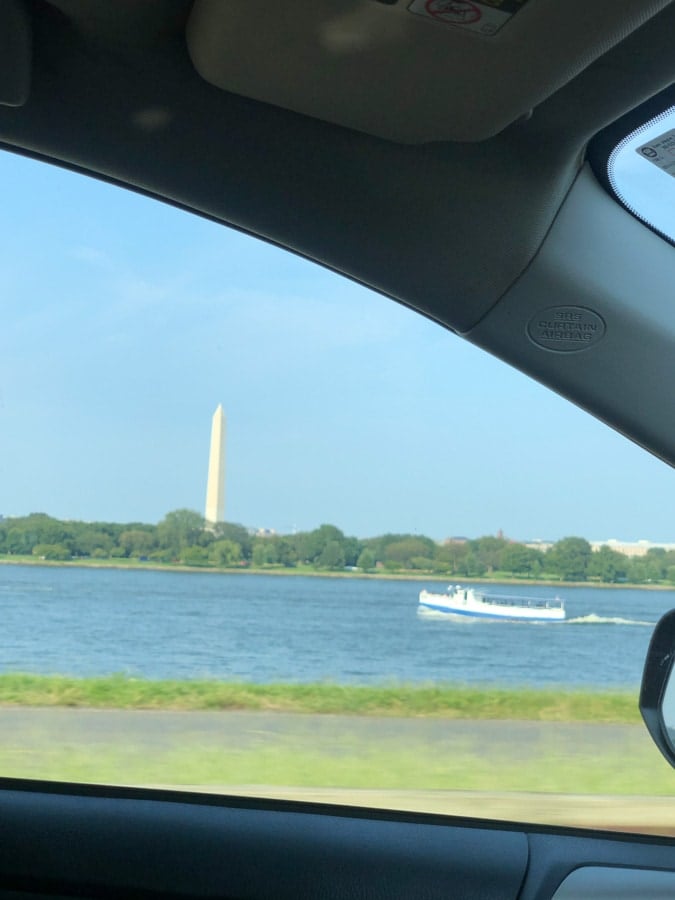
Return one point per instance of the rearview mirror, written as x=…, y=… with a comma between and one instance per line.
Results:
x=657, y=694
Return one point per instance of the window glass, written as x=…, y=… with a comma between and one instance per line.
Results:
x=278, y=646
x=641, y=171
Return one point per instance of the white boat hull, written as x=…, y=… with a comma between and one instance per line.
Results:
x=467, y=603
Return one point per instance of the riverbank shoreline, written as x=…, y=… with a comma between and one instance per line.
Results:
x=433, y=701
x=312, y=573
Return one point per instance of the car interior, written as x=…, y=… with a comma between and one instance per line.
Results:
x=453, y=157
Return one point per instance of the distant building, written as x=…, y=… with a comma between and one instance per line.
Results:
x=539, y=544
x=215, y=485
x=630, y=548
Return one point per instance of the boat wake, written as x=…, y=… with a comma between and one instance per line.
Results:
x=425, y=613
x=594, y=619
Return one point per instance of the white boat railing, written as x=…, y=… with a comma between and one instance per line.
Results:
x=506, y=600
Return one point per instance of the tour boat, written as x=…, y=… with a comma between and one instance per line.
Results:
x=462, y=603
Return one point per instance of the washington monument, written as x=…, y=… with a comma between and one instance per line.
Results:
x=215, y=486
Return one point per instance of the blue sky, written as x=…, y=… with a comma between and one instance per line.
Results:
x=125, y=322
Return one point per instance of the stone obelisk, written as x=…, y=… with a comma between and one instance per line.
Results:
x=215, y=486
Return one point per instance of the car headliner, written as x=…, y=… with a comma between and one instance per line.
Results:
x=468, y=232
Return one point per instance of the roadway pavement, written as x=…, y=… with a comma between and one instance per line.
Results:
x=240, y=729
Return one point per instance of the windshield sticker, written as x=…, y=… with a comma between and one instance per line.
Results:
x=661, y=151
x=484, y=16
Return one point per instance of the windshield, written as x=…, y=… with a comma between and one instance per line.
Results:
x=641, y=172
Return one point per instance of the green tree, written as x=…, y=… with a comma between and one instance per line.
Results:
x=471, y=565
x=636, y=571
x=284, y=550
x=18, y=541
x=569, y=558
x=224, y=553
x=366, y=560
x=607, y=565
x=521, y=560
x=258, y=555
x=195, y=556
x=238, y=534
x=37, y=528
x=180, y=528
x=489, y=551
x=51, y=551
x=403, y=551
x=423, y=546
x=311, y=544
x=163, y=556
x=450, y=556
x=332, y=556
x=89, y=541
x=657, y=562
x=352, y=548
x=422, y=563
x=137, y=542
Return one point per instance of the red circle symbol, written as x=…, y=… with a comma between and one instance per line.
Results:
x=454, y=12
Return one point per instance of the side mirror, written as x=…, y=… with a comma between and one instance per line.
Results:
x=657, y=693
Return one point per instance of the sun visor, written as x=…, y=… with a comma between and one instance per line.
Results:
x=409, y=71
x=15, y=53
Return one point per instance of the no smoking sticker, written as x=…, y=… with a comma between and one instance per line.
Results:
x=484, y=16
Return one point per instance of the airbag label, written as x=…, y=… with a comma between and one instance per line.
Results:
x=566, y=329
x=661, y=151
x=484, y=16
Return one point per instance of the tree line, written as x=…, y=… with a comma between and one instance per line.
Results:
x=183, y=537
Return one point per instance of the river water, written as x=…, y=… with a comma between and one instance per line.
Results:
x=301, y=629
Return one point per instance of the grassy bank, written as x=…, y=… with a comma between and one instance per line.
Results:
x=403, y=575
x=444, y=701
x=414, y=764
x=281, y=571
x=333, y=753
x=630, y=770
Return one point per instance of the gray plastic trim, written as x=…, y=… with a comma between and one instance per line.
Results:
x=15, y=53
x=602, y=264
x=341, y=63
x=605, y=883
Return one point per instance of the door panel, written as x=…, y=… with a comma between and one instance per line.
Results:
x=101, y=843
x=78, y=844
